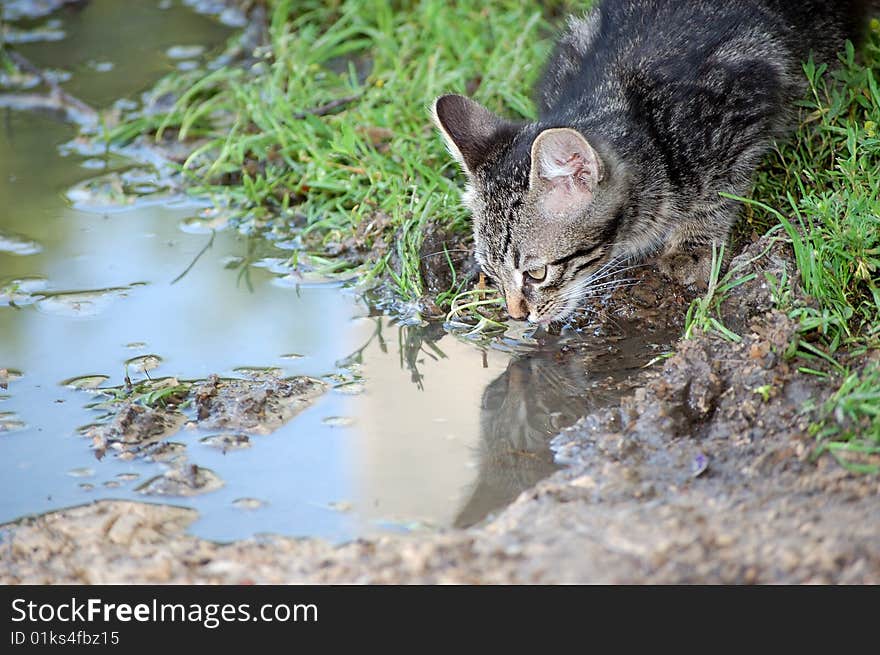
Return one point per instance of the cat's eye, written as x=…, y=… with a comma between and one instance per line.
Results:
x=537, y=274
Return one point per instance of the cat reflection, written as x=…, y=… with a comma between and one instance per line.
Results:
x=521, y=410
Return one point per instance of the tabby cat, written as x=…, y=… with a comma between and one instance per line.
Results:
x=648, y=110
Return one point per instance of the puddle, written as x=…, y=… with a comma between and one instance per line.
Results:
x=272, y=402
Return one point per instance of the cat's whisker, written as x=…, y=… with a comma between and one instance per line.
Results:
x=467, y=251
x=610, y=286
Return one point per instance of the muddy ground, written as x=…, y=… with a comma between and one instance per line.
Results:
x=703, y=473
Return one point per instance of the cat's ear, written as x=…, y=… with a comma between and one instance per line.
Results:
x=471, y=131
x=565, y=171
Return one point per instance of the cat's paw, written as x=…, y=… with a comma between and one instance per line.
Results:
x=688, y=266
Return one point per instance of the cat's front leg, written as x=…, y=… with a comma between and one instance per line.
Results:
x=687, y=255
x=689, y=264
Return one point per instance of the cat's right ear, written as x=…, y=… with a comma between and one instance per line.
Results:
x=565, y=171
x=471, y=131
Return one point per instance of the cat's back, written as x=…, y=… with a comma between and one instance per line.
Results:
x=678, y=38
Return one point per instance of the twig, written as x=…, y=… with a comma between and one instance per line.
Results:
x=196, y=258
x=323, y=110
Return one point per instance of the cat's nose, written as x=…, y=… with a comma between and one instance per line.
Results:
x=516, y=306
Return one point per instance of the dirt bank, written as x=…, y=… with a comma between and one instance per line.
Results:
x=703, y=473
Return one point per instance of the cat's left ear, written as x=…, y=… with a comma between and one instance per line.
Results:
x=565, y=171
x=472, y=132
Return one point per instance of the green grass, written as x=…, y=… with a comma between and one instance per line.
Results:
x=849, y=424
x=704, y=312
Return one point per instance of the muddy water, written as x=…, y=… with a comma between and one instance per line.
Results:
x=418, y=429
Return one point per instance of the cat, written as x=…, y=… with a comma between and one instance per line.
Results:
x=647, y=111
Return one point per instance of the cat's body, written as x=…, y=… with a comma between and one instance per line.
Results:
x=648, y=110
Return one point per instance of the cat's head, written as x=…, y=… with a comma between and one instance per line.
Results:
x=546, y=206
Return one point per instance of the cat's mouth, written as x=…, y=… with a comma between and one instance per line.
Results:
x=543, y=321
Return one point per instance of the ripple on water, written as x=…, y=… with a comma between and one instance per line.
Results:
x=227, y=13
x=80, y=304
x=354, y=388
x=258, y=371
x=229, y=441
x=22, y=291
x=101, y=66
x=206, y=222
x=81, y=472
x=185, y=51
x=338, y=421
x=17, y=244
x=85, y=382
x=119, y=190
x=14, y=10
x=248, y=503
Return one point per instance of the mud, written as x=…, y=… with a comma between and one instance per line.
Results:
x=139, y=420
x=703, y=473
x=256, y=406
x=133, y=427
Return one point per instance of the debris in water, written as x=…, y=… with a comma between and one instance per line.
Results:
x=699, y=465
x=9, y=422
x=340, y=506
x=185, y=51
x=21, y=292
x=227, y=441
x=185, y=481
x=248, y=503
x=81, y=472
x=133, y=427
x=144, y=363
x=258, y=406
x=338, y=421
x=85, y=382
x=79, y=304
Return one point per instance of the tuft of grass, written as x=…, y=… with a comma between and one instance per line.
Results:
x=704, y=312
x=154, y=393
x=849, y=426
x=476, y=313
